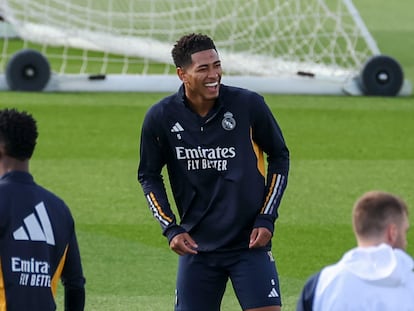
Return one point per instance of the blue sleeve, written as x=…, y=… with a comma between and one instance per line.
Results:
x=267, y=134
x=149, y=175
x=305, y=302
x=73, y=279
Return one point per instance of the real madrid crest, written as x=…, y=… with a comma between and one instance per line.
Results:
x=228, y=122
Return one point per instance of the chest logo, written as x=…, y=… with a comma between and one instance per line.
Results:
x=177, y=128
x=228, y=122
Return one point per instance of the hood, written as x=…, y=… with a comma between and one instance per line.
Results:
x=380, y=264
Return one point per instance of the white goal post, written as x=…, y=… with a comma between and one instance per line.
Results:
x=272, y=46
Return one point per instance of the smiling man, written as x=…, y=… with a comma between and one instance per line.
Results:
x=212, y=138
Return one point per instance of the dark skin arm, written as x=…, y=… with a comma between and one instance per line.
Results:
x=183, y=244
x=259, y=237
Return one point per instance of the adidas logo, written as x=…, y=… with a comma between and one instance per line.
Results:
x=177, y=128
x=273, y=293
x=35, y=230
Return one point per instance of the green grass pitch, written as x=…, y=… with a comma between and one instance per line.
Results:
x=340, y=147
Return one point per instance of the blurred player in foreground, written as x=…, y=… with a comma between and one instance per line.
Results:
x=376, y=275
x=212, y=137
x=38, y=244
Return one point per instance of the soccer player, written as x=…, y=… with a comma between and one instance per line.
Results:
x=211, y=137
x=38, y=244
x=376, y=275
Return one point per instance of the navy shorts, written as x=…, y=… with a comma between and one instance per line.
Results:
x=202, y=278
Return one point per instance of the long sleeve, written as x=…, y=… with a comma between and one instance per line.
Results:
x=305, y=301
x=73, y=279
x=149, y=175
x=267, y=134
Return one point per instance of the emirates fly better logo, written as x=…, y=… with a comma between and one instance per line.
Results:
x=206, y=158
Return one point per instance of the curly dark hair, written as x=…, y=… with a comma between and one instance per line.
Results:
x=18, y=133
x=188, y=45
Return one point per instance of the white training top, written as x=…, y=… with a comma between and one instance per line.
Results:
x=376, y=278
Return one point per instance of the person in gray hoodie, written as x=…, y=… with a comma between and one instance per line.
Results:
x=375, y=275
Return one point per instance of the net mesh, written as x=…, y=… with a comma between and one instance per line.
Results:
x=254, y=37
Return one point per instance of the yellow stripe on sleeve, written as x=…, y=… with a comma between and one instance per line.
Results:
x=158, y=207
x=58, y=273
x=270, y=193
x=3, y=305
x=259, y=155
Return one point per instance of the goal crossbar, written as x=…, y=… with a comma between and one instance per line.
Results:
x=287, y=46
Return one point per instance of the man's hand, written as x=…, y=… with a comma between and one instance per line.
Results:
x=183, y=244
x=259, y=237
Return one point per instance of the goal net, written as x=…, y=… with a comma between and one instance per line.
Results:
x=289, y=43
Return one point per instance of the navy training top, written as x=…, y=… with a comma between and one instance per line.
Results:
x=216, y=167
x=38, y=247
